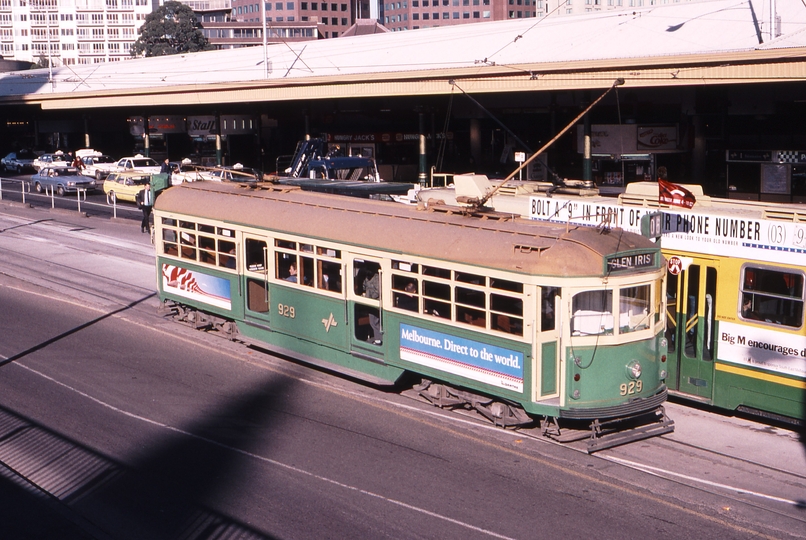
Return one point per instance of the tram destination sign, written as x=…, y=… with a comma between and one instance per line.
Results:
x=706, y=230
x=624, y=262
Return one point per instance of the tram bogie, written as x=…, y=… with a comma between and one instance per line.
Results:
x=517, y=320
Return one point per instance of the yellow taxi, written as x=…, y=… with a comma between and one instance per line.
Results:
x=124, y=186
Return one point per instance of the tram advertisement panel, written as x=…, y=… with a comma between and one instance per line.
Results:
x=481, y=362
x=198, y=286
x=715, y=234
x=760, y=348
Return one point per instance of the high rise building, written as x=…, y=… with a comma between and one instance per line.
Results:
x=65, y=32
x=413, y=14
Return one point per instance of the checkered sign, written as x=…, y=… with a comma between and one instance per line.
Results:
x=790, y=156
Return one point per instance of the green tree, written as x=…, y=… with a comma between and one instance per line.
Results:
x=170, y=29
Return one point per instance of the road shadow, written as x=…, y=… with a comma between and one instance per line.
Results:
x=61, y=489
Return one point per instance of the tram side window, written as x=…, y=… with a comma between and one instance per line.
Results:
x=634, y=313
x=207, y=252
x=405, y=293
x=474, y=279
x=226, y=254
x=548, y=297
x=255, y=255
x=187, y=242
x=772, y=296
x=465, y=298
x=506, y=285
x=437, y=298
x=329, y=276
x=169, y=246
x=306, y=275
x=506, y=314
x=592, y=313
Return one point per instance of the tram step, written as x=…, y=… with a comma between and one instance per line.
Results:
x=617, y=438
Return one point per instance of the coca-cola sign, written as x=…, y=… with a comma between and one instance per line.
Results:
x=654, y=138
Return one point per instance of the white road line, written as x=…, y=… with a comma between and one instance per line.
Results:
x=663, y=472
x=268, y=460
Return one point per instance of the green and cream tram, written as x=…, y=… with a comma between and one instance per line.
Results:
x=520, y=320
x=735, y=286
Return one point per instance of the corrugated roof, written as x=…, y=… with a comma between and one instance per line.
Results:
x=659, y=36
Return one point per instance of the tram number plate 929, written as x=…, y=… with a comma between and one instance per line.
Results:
x=288, y=311
x=630, y=388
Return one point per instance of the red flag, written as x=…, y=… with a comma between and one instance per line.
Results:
x=669, y=193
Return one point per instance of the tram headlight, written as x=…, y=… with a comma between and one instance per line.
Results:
x=634, y=370
x=663, y=374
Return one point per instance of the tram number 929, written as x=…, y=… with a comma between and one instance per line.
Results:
x=633, y=387
x=288, y=311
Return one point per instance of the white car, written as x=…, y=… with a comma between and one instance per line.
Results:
x=58, y=159
x=98, y=165
x=137, y=163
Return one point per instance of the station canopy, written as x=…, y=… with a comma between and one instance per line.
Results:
x=690, y=43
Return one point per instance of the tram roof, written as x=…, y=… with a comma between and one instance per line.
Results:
x=516, y=245
x=717, y=41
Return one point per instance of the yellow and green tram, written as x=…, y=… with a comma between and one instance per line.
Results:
x=517, y=319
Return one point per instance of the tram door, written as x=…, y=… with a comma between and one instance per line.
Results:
x=256, y=268
x=366, y=313
x=690, y=331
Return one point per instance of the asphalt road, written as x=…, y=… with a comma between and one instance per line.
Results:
x=117, y=423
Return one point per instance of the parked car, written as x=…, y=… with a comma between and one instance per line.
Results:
x=57, y=159
x=19, y=161
x=234, y=173
x=124, y=186
x=137, y=163
x=97, y=165
x=62, y=180
x=185, y=171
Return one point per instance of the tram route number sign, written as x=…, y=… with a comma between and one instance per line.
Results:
x=630, y=261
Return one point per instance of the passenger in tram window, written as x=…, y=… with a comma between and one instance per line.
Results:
x=408, y=301
x=230, y=263
x=372, y=290
x=292, y=274
x=371, y=285
x=747, y=308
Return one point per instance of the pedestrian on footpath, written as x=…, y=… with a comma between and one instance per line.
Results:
x=145, y=201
